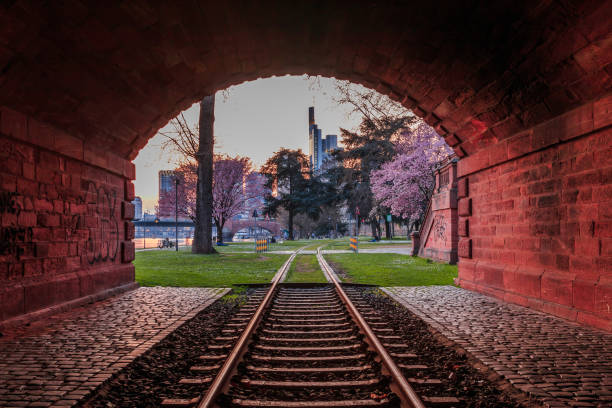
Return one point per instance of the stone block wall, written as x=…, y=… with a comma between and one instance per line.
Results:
x=535, y=217
x=65, y=211
x=438, y=235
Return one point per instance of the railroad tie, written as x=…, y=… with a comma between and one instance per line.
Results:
x=300, y=404
x=309, y=384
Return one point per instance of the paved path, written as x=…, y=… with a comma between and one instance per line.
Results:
x=387, y=250
x=58, y=362
x=560, y=363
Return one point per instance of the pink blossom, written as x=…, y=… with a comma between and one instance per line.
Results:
x=405, y=184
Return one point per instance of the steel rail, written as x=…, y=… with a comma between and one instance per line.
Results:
x=240, y=346
x=410, y=398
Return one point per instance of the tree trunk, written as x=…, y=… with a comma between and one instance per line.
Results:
x=290, y=225
x=387, y=229
x=219, y=226
x=202, y=238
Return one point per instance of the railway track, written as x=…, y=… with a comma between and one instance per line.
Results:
x=307, y=346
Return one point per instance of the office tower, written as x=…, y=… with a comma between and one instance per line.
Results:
x=320, y=147
x=314, y=141
x=137, y=208
x=331, y=143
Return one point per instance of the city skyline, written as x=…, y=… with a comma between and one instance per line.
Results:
x=268, y=123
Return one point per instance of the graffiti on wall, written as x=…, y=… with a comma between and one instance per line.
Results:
x=12, y=238
x=103, y=241
x=439, y=228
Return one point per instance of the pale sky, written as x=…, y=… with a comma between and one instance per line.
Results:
x=255, y=120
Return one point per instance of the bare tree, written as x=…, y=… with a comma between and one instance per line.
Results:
x=196, y=144
x=202, y=238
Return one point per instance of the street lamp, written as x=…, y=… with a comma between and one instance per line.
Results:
x=176, y=181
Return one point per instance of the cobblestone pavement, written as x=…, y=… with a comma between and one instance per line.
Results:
x=558, y=362
x=61, y=360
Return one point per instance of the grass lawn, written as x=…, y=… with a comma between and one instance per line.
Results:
x=285, y=246
x=391, y=270
x=169, y=268
x=305, y=269
x=343, y=243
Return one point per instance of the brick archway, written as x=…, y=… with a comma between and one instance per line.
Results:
x=521, y=91
x=233, y=226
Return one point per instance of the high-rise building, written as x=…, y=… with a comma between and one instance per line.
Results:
x=167, y=206
x=166, y=181
x=331, y=143
x=137, y=208
x=314, y=141
x=320, y=148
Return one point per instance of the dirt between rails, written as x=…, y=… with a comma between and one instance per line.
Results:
x=462, y=377
x=156, y=374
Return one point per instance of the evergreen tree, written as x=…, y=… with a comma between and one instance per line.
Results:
x=288, y=180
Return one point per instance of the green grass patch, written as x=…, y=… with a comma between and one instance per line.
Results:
x=343, y=243
x=391, y=270
x=285, y=246
x=170, y=268
x=305, y=269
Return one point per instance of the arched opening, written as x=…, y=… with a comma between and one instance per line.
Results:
x=250, y=233
x=521, y=93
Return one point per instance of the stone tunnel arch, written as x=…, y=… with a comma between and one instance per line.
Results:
x=521, y=91
x=272, y=227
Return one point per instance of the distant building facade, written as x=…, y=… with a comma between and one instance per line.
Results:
x=167, y=196
x=137, y=208
x=320, y=147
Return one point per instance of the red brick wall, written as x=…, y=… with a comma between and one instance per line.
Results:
x=536, y=212
x=64, y=217
x=438, y=234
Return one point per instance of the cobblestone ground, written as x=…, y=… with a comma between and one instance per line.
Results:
x=61, y=360
x=558, y=362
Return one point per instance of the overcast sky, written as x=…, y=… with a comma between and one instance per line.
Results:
x=255, y=120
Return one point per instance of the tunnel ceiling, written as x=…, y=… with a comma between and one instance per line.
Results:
x=478, y=71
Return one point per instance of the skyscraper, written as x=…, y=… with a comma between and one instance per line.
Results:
x=166, y=202
x=314, y=141
x=137, y=208
x=319, y=147
x=331, y=143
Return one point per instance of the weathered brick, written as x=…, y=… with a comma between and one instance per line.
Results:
x=68, y=145
x=602, y=112
x=465, y=207
x=520, y=144
x=127, y=251
x=48, y=220
x=27, y=187
x=129, y=191
x=462, y=187
x=584, y=295
x=465, y=248
x=127, y=210
x=129, y=230
x=557, y=287
x=464, y=229
x=27, y=219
